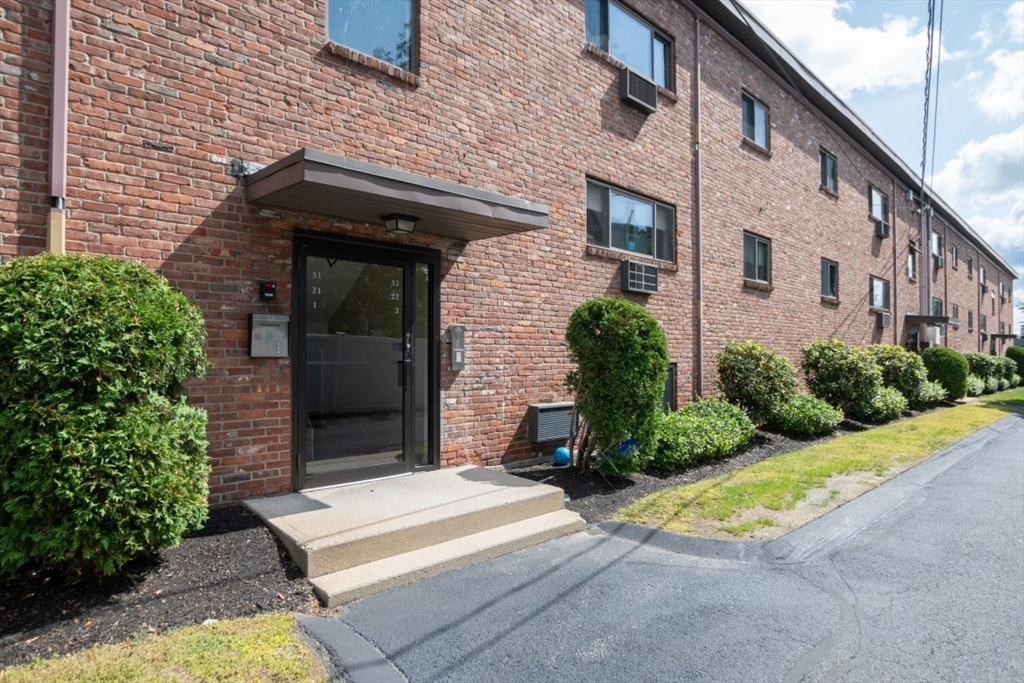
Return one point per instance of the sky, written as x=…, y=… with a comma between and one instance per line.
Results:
x=872, y=53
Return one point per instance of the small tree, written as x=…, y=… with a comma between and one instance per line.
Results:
x=101, y=459
x=621, y=358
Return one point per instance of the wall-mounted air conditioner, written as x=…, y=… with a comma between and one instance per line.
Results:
x=639, y=277
x=549, y=421
x=940, y=261
x=984, y=288
x=883, y=319
x=881, y=228
x=637, y=91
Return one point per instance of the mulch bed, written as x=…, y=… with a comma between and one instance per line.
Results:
x=234, y=567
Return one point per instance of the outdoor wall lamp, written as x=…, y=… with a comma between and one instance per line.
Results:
x=399, y=223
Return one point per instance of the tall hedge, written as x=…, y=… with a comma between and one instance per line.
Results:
x=101, y=459
x=844, y=376
x=755, y=378
x=949, y=368
x=621, y=357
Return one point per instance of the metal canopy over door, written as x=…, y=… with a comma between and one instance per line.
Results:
x=366, y=368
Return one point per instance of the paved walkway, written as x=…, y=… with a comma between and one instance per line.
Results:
x=919, y=579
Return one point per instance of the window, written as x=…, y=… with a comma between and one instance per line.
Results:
x=955, y=317
x=912, y=263
x=983, y=322
x=936, y=242
x=620, y=220
x=1002, y=291
x=1002, y=327
x=630, y=40
x=827, y=165
x=878, y=205
x=757, y=258
x=668, y=397
x=384, y=29
x=970, y=321
x=829, y=278
x=970, y=267
x=954, y=256
x=755, y=121
x=936, y=306
x=981, y=274
x=879, y=293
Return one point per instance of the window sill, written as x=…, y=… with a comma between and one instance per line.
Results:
x=363, y=59
x=830, y=300
x=872, y=309
x=834, y=194
x=757, y=285
x=617, y=255
x=754, y=147
x=606, y=56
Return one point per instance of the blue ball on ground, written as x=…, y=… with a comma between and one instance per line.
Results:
x=562, y=455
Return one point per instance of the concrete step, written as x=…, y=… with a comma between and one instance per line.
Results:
x=331, y=530
x=351, y=584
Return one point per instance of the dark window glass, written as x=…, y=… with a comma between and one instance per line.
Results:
x=629, y=222
x=983, y=322
x=829, y=278
x=829, y=179
x=380, y=28
x=668, y=398
x=630, y=40
x=755, y=121
x=757, y=258
x=955, y=315
x=936, y=306
x=879, y=293
x=970, y=320
x=954, y=255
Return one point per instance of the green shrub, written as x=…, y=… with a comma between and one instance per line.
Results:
x=843, y=376
x=101, y=459
x=755, y=378
x=803, y=415
x=1016, y=354
x=1005, y=367
x=621, y=358
x=991, y=385
x=928, y=395
x=982, y=365
x=975, y=385
x=1004, y=384
x=701, y=431
x=947, y=367
x=902, y=370
x=1014, y=380
x=886, y=404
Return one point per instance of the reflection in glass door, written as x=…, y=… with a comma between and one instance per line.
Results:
x=366, y=381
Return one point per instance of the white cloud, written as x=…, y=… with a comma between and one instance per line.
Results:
x=1003, y=96
x=985, y=173
x=1015, y=20
x=845, y=57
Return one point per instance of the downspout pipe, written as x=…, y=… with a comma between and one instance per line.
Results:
x=698, y=245
x=895, y=267
x=55, y=224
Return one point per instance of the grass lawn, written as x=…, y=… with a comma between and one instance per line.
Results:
x=264, y=648
x=773, y=496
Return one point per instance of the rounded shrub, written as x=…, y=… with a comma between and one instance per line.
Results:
x=102, y=460
x=621, y=358
x=1014, y=380
x=902, y=370
x=983, y=365
x=1006, y=368
x=755, y=378
x=975, y=385
x=698, y=432
x=843, y=375
x=929, y=394
x=947, y=367
x=803, y=416
x=1016, y=354
x=885, y=405
x=991, y=385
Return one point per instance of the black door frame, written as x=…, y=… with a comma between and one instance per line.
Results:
x=318, y=244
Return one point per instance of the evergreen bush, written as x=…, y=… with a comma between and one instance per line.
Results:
x=1016, y=354
x=983, y=365
x=101, y=459
x=991, y=385
x=802, y=415
x=1005, y=367
x=621, y=358
x=975, y=385
x=1014, y=380
x=698, y=432
x=929, y=394
x=755, y=378
x=843, y=375
x=886, y=404
x=904, y=371
x=947, y=367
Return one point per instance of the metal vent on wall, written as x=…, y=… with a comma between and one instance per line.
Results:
x=639, y=277
x=549, y=421
x=637, y=91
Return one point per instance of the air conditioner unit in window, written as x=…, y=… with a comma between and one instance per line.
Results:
x=639, y=277
x=984, y=289
x=637, y=91
x=883, y=319
x=881, y=229
x=940, y=261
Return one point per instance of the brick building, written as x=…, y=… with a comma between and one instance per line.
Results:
x=534, y=150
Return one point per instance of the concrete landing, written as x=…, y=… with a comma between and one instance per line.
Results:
x=373, y=536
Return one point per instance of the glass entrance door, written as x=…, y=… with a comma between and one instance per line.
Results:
x=366, y=364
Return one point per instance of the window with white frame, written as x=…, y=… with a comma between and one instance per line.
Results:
x=829, y=279
x=954, y=256
x=912, y=262
x=879, y=293
x=970, y=320
x=383, y=29
x=755, y=121
x=878, y=205
x=827, y=171
x=981, y=274
x=983, y=322
x=1002, y=291
x=631, y=40
x=954, y=317
x=757, y=258
x=970, y=267
x=628, y=222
